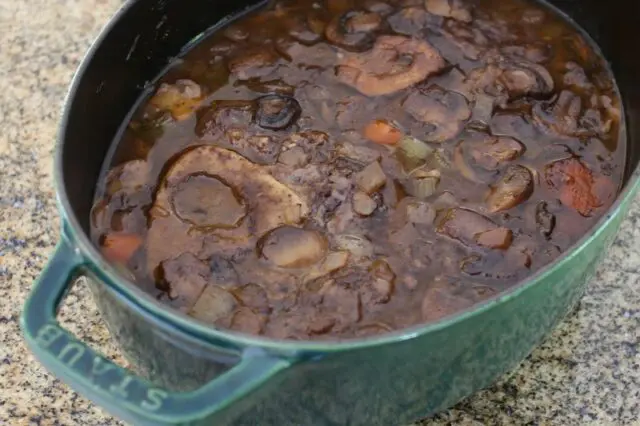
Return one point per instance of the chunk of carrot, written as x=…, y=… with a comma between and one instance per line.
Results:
x=382, y=132
x=120, y=247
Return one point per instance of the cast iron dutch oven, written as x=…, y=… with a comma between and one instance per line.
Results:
x=186, y=373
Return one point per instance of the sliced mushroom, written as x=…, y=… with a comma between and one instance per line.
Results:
x=353, y=29
x=277, y=112
x=290, y=247
x=499, y=238
x=445, y=111
x=494, y=152
x=523, y=78
x=515, y=186
x=473, y=229
x=180, y=99
x=516, y=77
x=222, y=116
x=394, y=63
x=358, y=246
x=560, y=115
x=371, y=178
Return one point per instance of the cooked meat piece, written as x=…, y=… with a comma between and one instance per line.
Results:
x=410, y=21
x=455, y=9
x=289, y=247
x=545, y=221
x=295, y=157
x=270, y=203
x=576, y=77
x=483, y=108
x=371, y=178
x=313, y=143
x=252, y=296
x=494, y=152
x=359, y=153
x=247, y=321
x=341, y=302
x=363, y=204
x=412, y=210
x=354, y=29
x=331, y=263
x=445, y=111
x=222, y=272
x=523, y=78
x=128, y=177
x=277, y=112
x=394, y=63
x=184, y=278
x=223, y=116
x=576, y=185
x=253, y=63
x=560, y=115
x=350, y=111
x=515, y=186
x=213, y=305
x=468, y=227
x=180, y=99
x=203, y=200
x=358, y=246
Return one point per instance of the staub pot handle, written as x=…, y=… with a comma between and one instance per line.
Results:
x=118, y=390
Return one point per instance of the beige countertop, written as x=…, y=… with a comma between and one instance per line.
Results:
x=587, y=372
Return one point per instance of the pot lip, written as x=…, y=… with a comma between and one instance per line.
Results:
x=149, y=307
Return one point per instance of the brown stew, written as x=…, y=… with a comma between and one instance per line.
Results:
x=343, y=168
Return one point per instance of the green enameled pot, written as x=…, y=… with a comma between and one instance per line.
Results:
x=186, y=373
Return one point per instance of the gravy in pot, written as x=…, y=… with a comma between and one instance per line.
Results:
x=339, y=169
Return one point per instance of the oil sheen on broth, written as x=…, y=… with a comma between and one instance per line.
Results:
x=338, y=169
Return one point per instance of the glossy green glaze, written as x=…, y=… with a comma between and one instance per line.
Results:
x=188, y=374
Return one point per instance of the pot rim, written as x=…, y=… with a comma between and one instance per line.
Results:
x=148, y=305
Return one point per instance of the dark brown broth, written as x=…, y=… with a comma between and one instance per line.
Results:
x=416, y=259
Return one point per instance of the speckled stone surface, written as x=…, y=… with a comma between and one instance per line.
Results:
x=587, y=372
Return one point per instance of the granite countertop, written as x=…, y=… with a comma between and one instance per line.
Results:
x=587, y=372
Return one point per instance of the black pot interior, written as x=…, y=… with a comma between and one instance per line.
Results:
x=148, y=33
